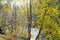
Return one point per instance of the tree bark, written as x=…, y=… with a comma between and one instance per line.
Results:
x=29, y=21
x=37, y=38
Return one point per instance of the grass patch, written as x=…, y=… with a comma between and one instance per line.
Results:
x=1, y=39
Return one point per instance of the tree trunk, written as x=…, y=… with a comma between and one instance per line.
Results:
x=52, y=37
x=37, y=38
x=29, y=22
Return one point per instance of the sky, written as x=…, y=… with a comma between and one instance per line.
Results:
x=34, y=33
x=18, y=3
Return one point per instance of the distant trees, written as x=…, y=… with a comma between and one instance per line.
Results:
x=1, y=5
x=41, y=14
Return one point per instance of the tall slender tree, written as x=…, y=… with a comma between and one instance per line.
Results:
x=30, y=20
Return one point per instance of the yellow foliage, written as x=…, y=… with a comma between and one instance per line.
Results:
x=10, y=37
x=7, y=9
x=58, y=32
